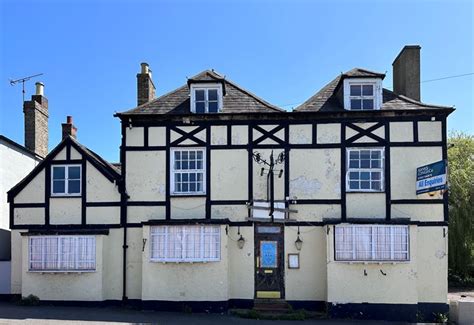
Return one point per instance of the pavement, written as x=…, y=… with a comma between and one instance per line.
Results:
x=14, y=314
x=461, y=293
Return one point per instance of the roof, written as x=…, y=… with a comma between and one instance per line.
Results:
x=363, y=73
x=235, y=100
x=326, y=100
x=111, y=172
x=21, y=148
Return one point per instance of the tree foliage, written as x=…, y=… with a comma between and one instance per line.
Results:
x=461, y=204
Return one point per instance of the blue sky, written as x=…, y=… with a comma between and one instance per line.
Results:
x=283, y=51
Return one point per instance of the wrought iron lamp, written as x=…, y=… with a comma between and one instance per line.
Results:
x=241, y=240
x=298, y=241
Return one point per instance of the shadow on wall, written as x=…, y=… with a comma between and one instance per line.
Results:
x=5, y=245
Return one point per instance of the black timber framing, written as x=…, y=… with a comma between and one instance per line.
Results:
x=387, y=173
x=189, y=135
x=208, y=172
x=300, y=223
x=287, y=146
x=343, y=172
x=444, y=140
x=83, y=190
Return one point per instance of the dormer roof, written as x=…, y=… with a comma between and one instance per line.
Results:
x=236, y=99
x=327, y=99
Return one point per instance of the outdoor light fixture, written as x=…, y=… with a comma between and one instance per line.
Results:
x=241, y=240
x=298, y=241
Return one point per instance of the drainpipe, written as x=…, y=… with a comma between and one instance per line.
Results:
x=123, y=212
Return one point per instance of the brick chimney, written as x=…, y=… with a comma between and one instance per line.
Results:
x=145, y=86
x=406, y=72
x=69, y=130
x=36, y=122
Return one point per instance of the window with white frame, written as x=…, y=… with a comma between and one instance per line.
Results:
x=188, y=171
x=362, y=94
x=185, y=243
x=206, y=98
x=66, y=180
x=371, y=243
x=365, y=168
x=62, y=253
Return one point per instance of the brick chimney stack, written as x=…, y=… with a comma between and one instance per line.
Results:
x=69, y=130
x=145, y=86
x=406, y=72
x=36, y=122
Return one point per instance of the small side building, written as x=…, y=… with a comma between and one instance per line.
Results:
x=16, y=161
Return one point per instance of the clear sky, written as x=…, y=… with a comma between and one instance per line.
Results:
x=283, y=51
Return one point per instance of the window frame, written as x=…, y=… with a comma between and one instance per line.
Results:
x=66, y=180
x=377, y=92
x=172, y=171
x=372, y=241
x=381, y=170
x=182, y=259
x=59, y=248
x=206, y=87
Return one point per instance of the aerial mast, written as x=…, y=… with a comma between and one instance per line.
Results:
x=23, y=80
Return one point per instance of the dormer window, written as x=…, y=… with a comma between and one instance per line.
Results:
x=206, y=98
x=362, y=94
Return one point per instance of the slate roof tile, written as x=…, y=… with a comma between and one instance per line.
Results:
x=236, y=99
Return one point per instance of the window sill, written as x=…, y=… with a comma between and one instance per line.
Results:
x=373, y=262
x=184, y=262
x=363, y=192
x=61, y=272
x=188, y=195
x=63, y=196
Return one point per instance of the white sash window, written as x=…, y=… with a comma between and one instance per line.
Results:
x=185, y=243
x=372, y=243
x=365, y=170
x=62, y=253
x=188, y=171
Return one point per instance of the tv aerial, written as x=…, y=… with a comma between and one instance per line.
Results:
x=23, y=80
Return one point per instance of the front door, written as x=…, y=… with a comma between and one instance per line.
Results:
x=269, y=262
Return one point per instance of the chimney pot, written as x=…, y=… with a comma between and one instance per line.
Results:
x=406, y=72
x=68, y=129
x=145, y=68
x=39, y=88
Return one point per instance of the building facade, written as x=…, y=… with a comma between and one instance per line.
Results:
x=222, y=199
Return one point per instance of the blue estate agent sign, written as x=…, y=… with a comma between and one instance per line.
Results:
x=431, y=177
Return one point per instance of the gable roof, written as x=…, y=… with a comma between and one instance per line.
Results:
x=108, y=170
x=326, y=100
x=20, y=148
x=235, y=100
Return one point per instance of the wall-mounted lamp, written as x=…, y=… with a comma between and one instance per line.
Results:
x=298, y=241
x=241, y=240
